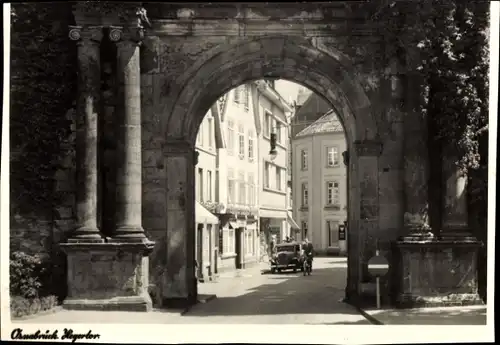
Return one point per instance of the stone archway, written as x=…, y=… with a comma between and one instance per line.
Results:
x=326, y=72
x=167, y=78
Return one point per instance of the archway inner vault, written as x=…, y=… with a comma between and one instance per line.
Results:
x=287, y=57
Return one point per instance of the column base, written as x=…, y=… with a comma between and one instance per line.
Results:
x=461, y=234
x=86, y=235
x=108, y=276
x=122, y=303
x=129, y=234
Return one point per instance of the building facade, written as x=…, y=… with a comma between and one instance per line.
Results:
x=274, y=113
x=227, y=180
x=320, y=183
x=237, y=180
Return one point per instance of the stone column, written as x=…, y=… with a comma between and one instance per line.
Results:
x=454, y=217
x=416, y=164
x=109, y=275
x=89, y=81
x=128, y=220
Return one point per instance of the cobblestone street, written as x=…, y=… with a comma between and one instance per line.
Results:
x=279, y=298
x=250, y=297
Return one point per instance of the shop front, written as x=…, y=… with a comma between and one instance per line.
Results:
x=237, y=240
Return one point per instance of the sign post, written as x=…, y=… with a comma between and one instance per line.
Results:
x=378, y=266
x=342, y=239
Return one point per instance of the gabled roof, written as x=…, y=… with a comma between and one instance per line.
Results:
x=328, y=123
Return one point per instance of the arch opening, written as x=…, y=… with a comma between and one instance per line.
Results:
x=298, y=61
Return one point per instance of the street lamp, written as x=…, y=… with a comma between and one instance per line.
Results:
x=345, y=155
x=196, y=156
x=273, y=153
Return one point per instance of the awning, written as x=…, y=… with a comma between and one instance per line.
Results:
x=202, y=215
x=280, y=214
x=252, y=226
x=292, y=222
x=236, y=224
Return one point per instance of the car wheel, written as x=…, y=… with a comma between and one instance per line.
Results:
x=279, y=270
x=273, y=270
x=294, y=269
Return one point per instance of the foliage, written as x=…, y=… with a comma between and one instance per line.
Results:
x=29, y=275
x=126, y=12
x=43, y=83
x=20, y=306
x=444, y=45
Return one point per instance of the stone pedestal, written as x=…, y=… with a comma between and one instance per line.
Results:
x=108, y=276
x=436, y=272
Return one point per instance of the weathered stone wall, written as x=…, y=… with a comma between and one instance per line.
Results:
x=40, y=232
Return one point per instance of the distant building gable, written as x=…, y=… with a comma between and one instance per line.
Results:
x=312, y=109
x=328, y=123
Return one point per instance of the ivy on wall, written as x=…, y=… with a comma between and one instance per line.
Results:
x=43, y=88
x=444, y=44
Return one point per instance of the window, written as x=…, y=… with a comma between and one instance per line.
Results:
x=267, y=124
x=210, y=132
x=278, y=132
x=267, y=169
x=251, y=189
x=332, y=193
x=249, y=241
x=231, y=187
x=237, y=95
x=241, y=141
x=242, y=192
x=197, y=186
x=199, y=138
x=200, y=184
x=303, y=159
x=333, y=233
x=250, y=145
x=304, y=229
x=242, y=95
x=217, y=186
x=228, y=241
x=209, y=186
x=246, y=96
x=206, y=243
x=332, y=156
x=305, y=195
x=278, y=179
x=230, y=137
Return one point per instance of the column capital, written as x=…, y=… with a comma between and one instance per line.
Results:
x=87, y=34
x=368, y=147
x=120, y=34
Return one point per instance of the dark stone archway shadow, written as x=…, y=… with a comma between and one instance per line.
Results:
x=292, y=294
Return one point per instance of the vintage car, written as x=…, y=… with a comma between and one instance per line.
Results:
x=286, y=256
